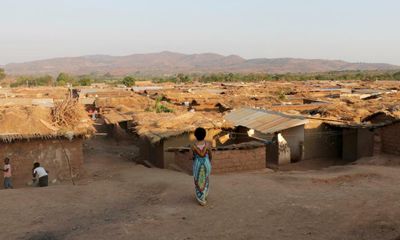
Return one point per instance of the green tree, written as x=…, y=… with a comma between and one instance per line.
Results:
x=64, y=78
x=31, y=81
x=182, y=78
x=396, y=76
x=2, y=74
x=85, y=81
x=46, y=80
x=128, y=81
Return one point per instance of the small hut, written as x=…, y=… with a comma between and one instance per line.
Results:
x=161, y=131
x=387, y=134
x=285, y=133
x=117, y=113
x=51, y=136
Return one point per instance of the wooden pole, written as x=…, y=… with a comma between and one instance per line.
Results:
x=68, y=162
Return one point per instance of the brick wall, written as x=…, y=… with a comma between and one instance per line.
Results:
x=232, y=160
x=50, y=155
x=390, y=139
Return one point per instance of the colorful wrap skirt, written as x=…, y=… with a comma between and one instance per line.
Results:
x=201, y=173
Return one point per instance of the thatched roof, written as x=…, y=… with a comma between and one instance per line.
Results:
x=135, y=103
x=158, y=126
x=117, y=115
x=120, y=109
x=30, y=122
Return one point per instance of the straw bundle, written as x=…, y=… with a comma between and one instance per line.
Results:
x=66, y=113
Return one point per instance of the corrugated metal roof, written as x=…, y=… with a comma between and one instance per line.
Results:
x=264, y=121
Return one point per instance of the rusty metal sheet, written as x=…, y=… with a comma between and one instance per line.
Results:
x=264, y=121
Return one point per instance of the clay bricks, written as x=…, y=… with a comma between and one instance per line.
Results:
x=231, y=160
x=391, y=139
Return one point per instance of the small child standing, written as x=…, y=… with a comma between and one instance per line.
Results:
x=7, y=174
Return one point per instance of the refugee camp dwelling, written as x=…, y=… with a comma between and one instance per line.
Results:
x=283, y=134
x=28, y=134
x=160, y=132
x=306, y=105
x=322, y=141
x=376, y=134
x=117, y=113
x=357, y=140
x=166, y=143
x=118, y=122
x=387, y=132
x=390, y=138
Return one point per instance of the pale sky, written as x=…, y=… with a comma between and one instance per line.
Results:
x=351, y=30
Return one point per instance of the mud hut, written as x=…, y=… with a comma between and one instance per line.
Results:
x=117, y=113
x=387, y=132
x=51, y=136
x=161, y=131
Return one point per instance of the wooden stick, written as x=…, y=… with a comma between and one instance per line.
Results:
x=68, y=162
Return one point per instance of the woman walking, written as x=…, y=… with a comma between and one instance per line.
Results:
x=202, y=157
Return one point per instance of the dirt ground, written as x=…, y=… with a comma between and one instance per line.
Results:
x=118, y=199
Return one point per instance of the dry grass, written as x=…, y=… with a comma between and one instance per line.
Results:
x=67, y=113
x=157, y=126
x=26, y=122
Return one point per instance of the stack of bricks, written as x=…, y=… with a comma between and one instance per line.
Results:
x=390, y=136
x=232, y=160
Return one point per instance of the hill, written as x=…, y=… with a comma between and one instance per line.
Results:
x=171, y=63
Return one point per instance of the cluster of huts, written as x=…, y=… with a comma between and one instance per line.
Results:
x=243, y=138
x=246, y=138
x=249, y=139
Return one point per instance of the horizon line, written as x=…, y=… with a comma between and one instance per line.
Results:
x=202, y=53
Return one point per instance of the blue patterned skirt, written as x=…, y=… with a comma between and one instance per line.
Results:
x=201, y=173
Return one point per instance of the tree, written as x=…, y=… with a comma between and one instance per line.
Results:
x=2, y=74
x=107, y=75
x=229, y=77
x=396, y=76
x=182, y=78
x=45, y=80
x=128, y=81
x=31, y=81
x=64, y=78
x=85, y=81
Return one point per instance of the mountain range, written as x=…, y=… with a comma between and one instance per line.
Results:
x=165, y=63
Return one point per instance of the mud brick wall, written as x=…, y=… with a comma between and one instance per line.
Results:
x=224, y=161
x=50, y=155
x=390, y=138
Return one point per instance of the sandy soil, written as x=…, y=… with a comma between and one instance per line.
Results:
x=121, y=200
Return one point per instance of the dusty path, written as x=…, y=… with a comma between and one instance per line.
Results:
x=129, y=201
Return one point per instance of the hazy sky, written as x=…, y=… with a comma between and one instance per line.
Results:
x=352, y=30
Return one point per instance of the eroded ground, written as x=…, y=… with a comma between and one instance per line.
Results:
x=121, y=200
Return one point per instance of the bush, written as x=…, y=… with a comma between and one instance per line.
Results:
x=159, y=107
x=128, y=81
x=85, y=81
x=64, y=78
x=2, y=74
x=396, y=76
x=30, y=81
